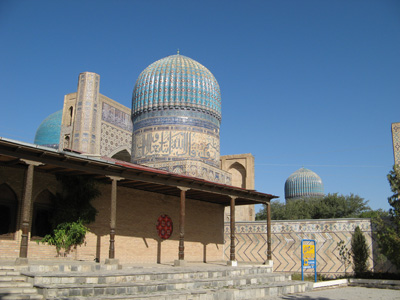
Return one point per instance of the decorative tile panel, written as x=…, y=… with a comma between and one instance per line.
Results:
x=116, y=117
x=113, y=138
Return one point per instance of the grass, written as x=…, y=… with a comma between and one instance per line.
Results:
x=310, y=277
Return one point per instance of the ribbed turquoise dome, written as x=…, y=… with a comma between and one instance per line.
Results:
x=176, y=114
x=177, y=82
x=48, y=133
x=303, y=183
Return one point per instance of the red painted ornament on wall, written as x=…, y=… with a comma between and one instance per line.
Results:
x=164, y=227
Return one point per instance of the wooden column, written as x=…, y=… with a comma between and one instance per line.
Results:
x=232, y=261
x=113, y=220
x=26, y=210
x=269, y=247
x=182, y=213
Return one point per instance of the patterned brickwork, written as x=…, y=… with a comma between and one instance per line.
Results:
x=113, y=138
x=251, y=244
x=86, y=127
x=396, y=142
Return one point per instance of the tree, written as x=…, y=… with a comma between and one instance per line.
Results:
x=66, y=236
x=72, y=209
x=74, y=202
x=359, y=252
x=388, y=230
x=330, y=206
x=344, y=255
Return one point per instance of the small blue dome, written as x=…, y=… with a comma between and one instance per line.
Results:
x=177, y=82
x=303, y=183
x=48, y=133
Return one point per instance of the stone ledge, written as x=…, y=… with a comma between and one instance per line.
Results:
x=330, y=283
x=375, y=283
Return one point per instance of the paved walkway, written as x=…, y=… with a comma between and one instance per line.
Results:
x=344, y=293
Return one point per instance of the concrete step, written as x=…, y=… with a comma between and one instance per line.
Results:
x=18, y=290
x=261, y=291
x=11, y=284
x=21, y=297
x=66, y=267
x=7, y=267
x=132, y=275
x=12, y=278
x=9, y=273
x=151, y=286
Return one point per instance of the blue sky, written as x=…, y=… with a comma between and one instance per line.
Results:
x=303, y=83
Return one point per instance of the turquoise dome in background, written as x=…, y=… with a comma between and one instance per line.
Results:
x=48, y=133
x=177, y=82
x=302, y=184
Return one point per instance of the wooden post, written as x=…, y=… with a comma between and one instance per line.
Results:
x=113, y=220
x=26, y=211
x=232, y=262
x=182, y=214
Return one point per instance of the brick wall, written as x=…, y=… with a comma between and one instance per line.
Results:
x=136, y=235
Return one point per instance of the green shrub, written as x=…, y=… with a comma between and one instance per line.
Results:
x=359, y=251
x=66, y=236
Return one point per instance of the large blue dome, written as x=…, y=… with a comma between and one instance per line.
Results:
x=48, y=133
x=302, y=184
x=176, y=115
x=177, y=82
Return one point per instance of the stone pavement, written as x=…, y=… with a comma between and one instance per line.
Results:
x=344, y=293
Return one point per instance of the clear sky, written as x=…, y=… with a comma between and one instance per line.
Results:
x=303, y=83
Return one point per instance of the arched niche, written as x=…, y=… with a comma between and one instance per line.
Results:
x=42, y=212
x=70, y=115
x=8, y=211
x=238, y=173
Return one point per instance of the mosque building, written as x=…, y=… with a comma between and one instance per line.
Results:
x=174, y=125
x=159, y=160
x=303, y=184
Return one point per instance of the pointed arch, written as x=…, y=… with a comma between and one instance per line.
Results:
x=42, y=212
x=238, y=172
x=8, y=211
x=70, y=115
x=121, y=153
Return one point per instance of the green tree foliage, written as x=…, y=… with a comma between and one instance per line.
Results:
x=330, y=206
x=74, y=202
x=66, y=236
x=72, y=209
x=388, y=230
x=359, y=252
